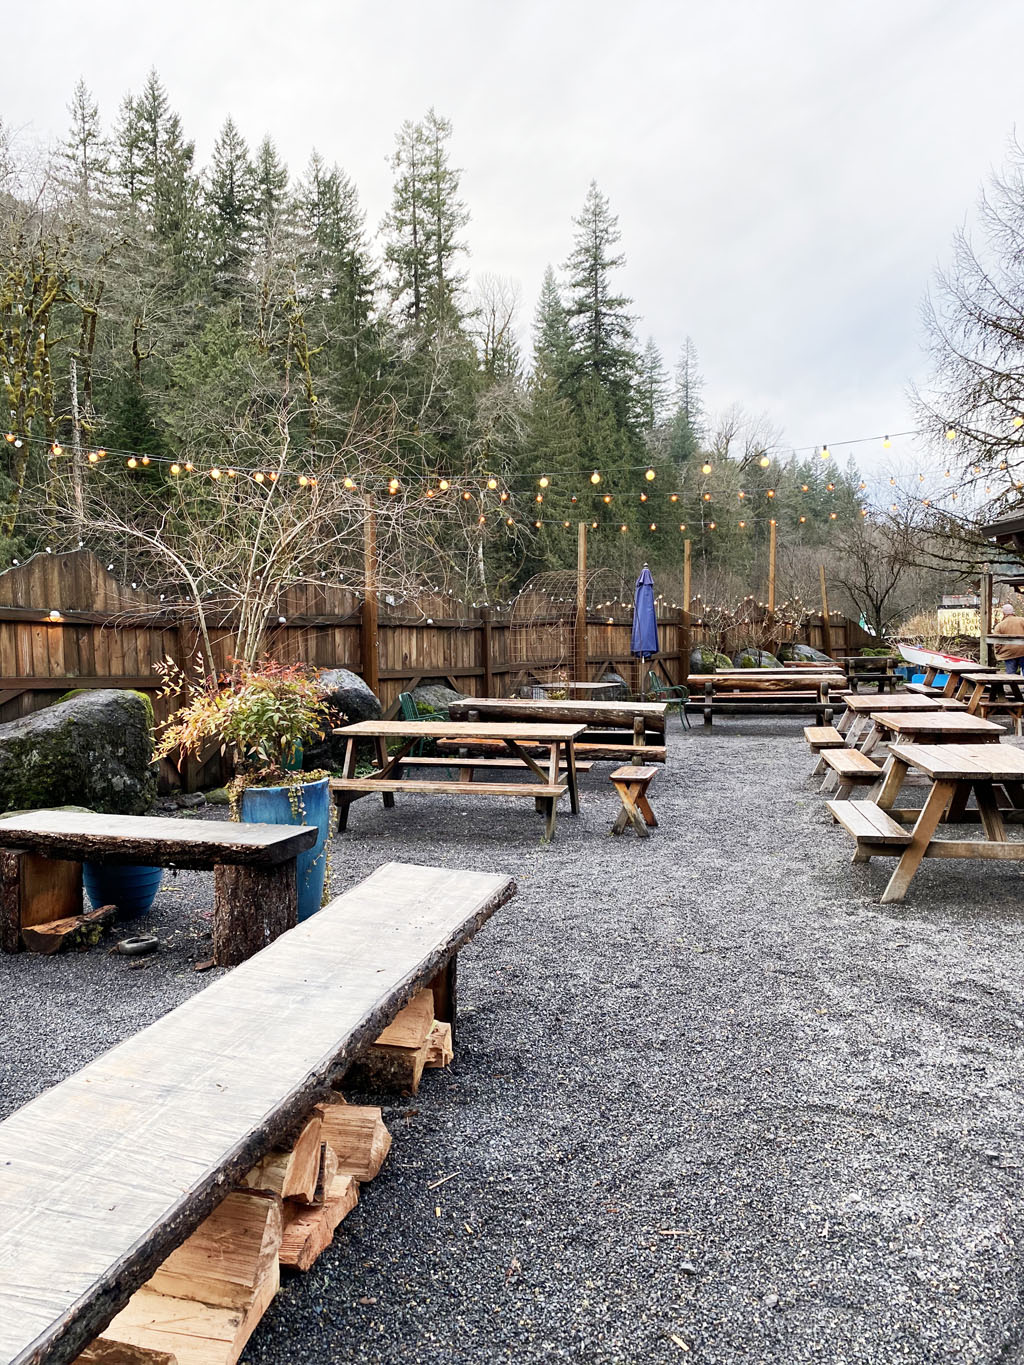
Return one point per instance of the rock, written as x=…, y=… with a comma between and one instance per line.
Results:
x=805, y=653
x=618, y=682
x=350, y=700
x=755, y=658
x=94, y=749
x=771, y=1301
x=436, y=696
x=704, y=660
x=188, y=800
x=687, y=1268
x=218, y=797
x=348, y=695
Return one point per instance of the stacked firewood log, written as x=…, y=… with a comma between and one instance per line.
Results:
x=202, y=1304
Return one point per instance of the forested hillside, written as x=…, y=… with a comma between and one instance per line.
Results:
x=186, y=346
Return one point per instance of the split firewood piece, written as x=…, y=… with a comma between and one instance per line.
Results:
x=202, y=1305
x=120, y=1353
x=309, y=1231
x=291, y=1174
x=440, y=1051
x=358, y=1136
x=76, y=931
x=396, y=1060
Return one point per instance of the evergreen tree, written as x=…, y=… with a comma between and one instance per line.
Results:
x=652, y=387
x=600, y=324
x=270, y=187
x=231, y=202
x=423, y=225
x=128, y=154
x=85, y=153
x=130, y=423
x=551, y=339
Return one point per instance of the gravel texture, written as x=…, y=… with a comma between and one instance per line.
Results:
x=710, y=1100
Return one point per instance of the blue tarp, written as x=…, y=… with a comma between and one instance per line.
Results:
x=644, y=640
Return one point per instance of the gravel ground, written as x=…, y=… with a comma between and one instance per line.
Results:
x=710, y=1100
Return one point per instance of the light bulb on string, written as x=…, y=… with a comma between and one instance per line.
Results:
x=764, y=461
x=682, y=526
x=607, y=497
x=595, y=477
x=950, y=434
x=537, y=524
x=886, y=443
x=214, y=473
x=393, y=487
x=175, y=468
x=539, y=497
x=93, y=457
x=802, y=520
x=805, y=488
x=57, y=448
x=770, y=493
x=623, y=527
x=712, y=525
x=832, y=516
x=189, y=466
x=133, y=463
x=643, y=497
x=649, y=475
x=705, y=467
x=593, y=525
x=504, y=495
x=742, y=524
x=830, y=487
x=303, y=481
x=707, y=497
x=145, y=459
x=654, y=525
x=466, y=496
x=673, y=497
x=492, y=484
x=543, y=481
x=259, y=476
x=825, y=452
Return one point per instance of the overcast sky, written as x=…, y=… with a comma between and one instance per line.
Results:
x=787, y=175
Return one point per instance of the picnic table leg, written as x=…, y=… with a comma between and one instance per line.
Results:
x=444, y=985
x=893, y=775
x=342, y=799
x=251, y=907
x=991, y=815
x=570, y=773
x=709, y=691
x=927, y=822
x=381, y=745
x=549, y=828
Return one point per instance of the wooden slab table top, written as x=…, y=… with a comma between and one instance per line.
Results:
x=103, y=1175
x=955, y=771
x=585, y=691
x=992, y=690
x=591, y=714
x=516, y=735
x=931, y=727
x=855, y=721
x=769, y=679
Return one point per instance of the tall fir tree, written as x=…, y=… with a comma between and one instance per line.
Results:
x=85, y=153
x=231, y=204
x=270, y=189
x=652, y=387
x=603, y=346
x=552, y=342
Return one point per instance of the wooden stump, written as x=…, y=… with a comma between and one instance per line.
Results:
x=35, y=890
x=252, y=907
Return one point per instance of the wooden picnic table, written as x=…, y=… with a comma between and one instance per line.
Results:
x=954, y=771
x=514, y=736
x=765, y=691
x=612, y=727
x=855, y=721
x=931, y=727
x=868, y=668
x=992, y=691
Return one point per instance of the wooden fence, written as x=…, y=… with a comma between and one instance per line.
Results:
x=66, y=622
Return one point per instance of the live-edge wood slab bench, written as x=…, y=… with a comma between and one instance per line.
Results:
x=104, y=1175
x=254, y=867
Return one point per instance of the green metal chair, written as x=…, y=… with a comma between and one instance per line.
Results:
x=673, y=696
x=408, y=710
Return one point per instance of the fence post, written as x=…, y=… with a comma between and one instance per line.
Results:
x=687, y=624
x=485, y=650
x=826, y=624
x=580, y=670
x=368, y=614
x=985, y=617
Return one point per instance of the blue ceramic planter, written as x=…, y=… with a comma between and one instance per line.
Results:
x=132, y=889
x=271, y=806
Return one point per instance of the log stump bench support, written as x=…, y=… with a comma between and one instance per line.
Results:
x=631, y=783
x=133, y=1152
x=255, y=899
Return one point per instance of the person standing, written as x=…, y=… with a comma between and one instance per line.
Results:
x=1012, y=626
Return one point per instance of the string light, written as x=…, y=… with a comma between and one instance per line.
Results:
x=595, y=477
x=673, y=497
x=607, y=497
x=57, y=448
x=643, y=497
x=133, y=463
x=393, y=487
x=492, y=484
x=214, y=473
x=543, y=481
x=824, y=452
x=303, y=481
x=175, y=468
x=145, y=459
x=764, y=461
x=711, y=526
x=654, y=525
x=93, y=456
x=649, y=475
x=886, y=443
x=950, y=434
x=707, y=497
x=623, y=527
x=466, y=496
x=1018, y=421
x=258, y=476
x=539, y=497
x=705, y=468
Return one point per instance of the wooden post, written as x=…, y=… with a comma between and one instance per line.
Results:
x=369, y=635
x=771, y=566
x=580, y=673
x=985, y=617
x=485, y=651
x=687, y=623
x=826, y=624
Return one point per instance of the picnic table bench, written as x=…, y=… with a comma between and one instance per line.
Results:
x=765, y=691
x=871, y=668
x=954, y=771
x=103, y=1175
x=611, y=728
x=513, y=736
x=41, y=853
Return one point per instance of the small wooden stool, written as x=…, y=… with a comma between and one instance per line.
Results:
x=631, y=783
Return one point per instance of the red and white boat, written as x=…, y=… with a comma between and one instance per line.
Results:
x=931, y=658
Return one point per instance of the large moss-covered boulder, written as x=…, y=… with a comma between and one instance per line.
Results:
x=350, y=700
x=749, y=657
x=93, y=749
x=704, y=660
x=435, y=696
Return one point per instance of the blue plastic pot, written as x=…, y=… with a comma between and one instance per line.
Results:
x=271, y=806
x=132, y=889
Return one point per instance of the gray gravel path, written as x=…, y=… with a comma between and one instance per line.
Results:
x=711, y=1101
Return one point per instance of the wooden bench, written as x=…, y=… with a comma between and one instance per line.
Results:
x=253, y=869
x=790, y=693
x=849, y=768
x=613, y=728
x=873, y=829
x=102, y=1176
x=468, y=766
x=631, y=782
x=821, y=737
x=596, y=753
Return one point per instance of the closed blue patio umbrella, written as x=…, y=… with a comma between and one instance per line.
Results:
x=644, y=639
